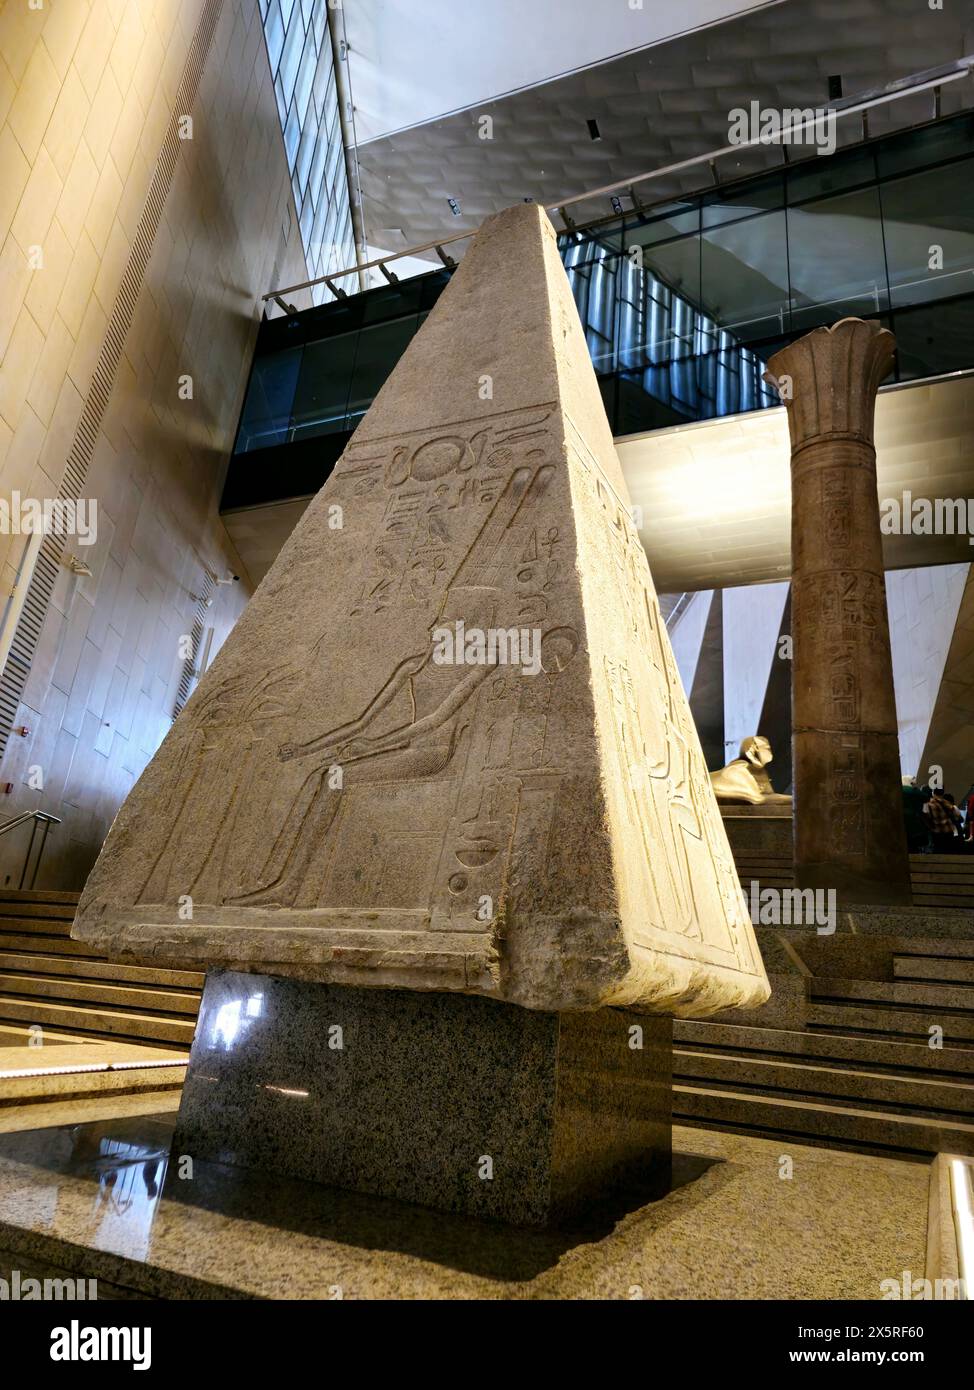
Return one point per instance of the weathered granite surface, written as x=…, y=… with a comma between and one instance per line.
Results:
x=452, y=1101
x=343, y=800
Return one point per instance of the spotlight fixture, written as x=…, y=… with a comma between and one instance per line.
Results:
x=616, y=204
x=454, y=206
x=593, y=130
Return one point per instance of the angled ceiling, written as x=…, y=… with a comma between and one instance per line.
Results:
x=661, y=103
x=414, y=61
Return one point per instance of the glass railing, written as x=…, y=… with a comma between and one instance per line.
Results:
x=682, y=304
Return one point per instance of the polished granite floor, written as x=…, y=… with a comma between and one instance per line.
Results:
x=100, y=1195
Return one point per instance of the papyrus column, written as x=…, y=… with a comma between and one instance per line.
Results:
x=849, y=832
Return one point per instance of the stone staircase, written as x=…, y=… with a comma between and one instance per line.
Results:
x=48, y=980
x=939, y=880
x=842, y=1055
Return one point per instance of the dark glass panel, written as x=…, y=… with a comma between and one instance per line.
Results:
x=266, y=414
x=835, y=250
x=744, y=280
x=929, y=227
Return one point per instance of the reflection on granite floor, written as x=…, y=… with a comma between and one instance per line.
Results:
x=105, y=1199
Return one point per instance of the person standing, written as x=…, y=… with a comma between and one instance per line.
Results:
x=944, y=819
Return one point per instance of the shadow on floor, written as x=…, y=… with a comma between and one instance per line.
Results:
x=136, y=1149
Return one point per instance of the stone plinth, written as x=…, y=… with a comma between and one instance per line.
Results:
x=446, y=747
x=849, y=833
x=752, y=830
x=451, y=1101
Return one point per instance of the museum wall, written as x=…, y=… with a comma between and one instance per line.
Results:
x=88, y=94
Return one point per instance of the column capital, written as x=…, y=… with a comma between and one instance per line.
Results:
x=828, y=380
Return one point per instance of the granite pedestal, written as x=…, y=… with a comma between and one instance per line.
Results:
x=753, y=830
x=452, y=1101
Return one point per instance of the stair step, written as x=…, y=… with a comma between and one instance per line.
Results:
x=38, y=895
x=946, y=899
x=31, y=942
x=81, y=1085
x=936, y=859
x=807, y=1121
x=131, y=996
x=43, y=926
x=963, y=874
x=818, y=1082
x=51, y=911
x=874, y=1019
x=36, y=963
x=826, y=989
x=49, y=945
x=96, y=1022
x=895, y=1055
x=960, y=968
x=766, y=881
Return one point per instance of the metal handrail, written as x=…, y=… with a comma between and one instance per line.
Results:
x=38, y=818
x=929, y=79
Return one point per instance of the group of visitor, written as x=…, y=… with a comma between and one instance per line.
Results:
x=935, y=824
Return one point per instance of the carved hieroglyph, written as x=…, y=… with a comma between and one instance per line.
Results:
x=341, y=801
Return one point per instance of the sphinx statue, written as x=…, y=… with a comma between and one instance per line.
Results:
x=746, y=778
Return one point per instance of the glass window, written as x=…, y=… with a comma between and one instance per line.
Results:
x=838, y=269
x=291, y=56
x=744, y=276
x=321, y=397
x=306, y=222
x=379, y=349
x=918, y=149
x=733, y=204
x=319, y=20
x=662, y=224
x=274, y=34
x=281, y=102
x=929, y=225
x=302, y=88
x=305, y=154
x=817, y=176
x=266, y=413
x=292, y=137
x=932, y=339
x=317, y=167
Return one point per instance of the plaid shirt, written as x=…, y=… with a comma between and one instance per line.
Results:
x=943, y=816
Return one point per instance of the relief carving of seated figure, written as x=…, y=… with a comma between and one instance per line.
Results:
x=746, y=778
